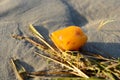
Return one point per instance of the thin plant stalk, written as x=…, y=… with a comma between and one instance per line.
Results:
x=104, y=22
x=80, y=73
x=40, y=37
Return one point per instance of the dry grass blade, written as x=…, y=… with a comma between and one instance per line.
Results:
x=19, y=70
x=113, y=65
x=38, y=45
x=40, y=37
x=79, y=73
x=63, y=78
x=41, y=47
x=42, y=73
x=103, y=22
x=34, y=31
x=109, y=75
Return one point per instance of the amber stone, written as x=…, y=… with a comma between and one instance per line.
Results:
x=69, y=38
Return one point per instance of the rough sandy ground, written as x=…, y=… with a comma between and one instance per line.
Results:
x=49, y=15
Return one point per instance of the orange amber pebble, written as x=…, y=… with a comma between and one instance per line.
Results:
x=70, y=38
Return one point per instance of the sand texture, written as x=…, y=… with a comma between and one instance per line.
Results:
x=48, y=16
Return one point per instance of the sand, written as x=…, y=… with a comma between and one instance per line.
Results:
x=48, y=16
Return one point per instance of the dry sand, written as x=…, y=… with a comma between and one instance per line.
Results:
x=49, y=15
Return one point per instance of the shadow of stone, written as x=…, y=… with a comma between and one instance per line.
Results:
x=105, y=49
x=76, y=17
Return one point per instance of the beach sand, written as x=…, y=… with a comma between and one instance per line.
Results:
x=48, y=16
